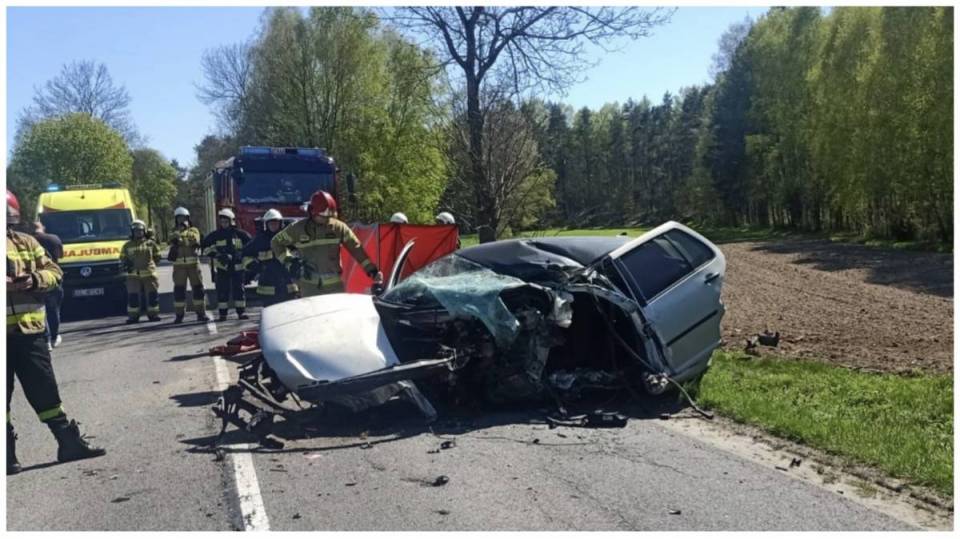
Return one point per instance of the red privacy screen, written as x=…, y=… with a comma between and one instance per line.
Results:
x=383, y=243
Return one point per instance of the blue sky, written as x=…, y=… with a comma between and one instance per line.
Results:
x=155, y=53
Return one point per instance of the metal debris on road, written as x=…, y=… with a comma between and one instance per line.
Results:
x=443, y=511
x=769, y=339
x=441, y=480
x=353, y=484
x=449, y=444
x=675, y=512
x=781, y=468
x=120, y=499
x=296, y=516
x=366, y=445
x=219, y=455
x=795, y=462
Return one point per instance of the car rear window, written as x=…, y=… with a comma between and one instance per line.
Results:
x=693, y=249
x=655, y=265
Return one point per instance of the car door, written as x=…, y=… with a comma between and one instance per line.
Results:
x=677, y=276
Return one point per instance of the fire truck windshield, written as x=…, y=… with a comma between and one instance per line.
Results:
x=282, y=187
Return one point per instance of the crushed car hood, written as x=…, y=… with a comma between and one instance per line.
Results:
x=324, y=339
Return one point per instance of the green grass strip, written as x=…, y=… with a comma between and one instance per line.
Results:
x=901, y=425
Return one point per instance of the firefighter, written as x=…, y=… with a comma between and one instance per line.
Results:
x=317, y=240
x=399, y=218
x=30, y=275
x=224, y=246
x=274, y=284
x=184, y=251
x=445, y=218
x=140, y=257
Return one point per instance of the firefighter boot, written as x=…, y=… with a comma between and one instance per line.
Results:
x=223, y=315
x=72, y=446
x=133, y=319
x=13, y=465
x=178, y=319
x=202, y=317
x=242, y=315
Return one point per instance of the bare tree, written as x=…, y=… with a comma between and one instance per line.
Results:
x=228, y=72
x=83, y=86
x=521, y=48
x=517, y=180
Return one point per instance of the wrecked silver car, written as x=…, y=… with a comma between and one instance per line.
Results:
x=514, y=320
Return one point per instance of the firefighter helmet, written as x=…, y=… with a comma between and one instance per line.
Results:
x=13, y=209
x=321, y=203
x=399, y=217
x=272, y=215
x=226, y=212
x=137, y=223
x=445, y=218
x=181, y=211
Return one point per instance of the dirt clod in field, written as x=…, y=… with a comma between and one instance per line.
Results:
x=875, y=309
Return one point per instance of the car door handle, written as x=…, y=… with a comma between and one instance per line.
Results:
x=711, y=277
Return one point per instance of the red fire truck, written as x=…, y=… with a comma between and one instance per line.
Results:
x=261, y=177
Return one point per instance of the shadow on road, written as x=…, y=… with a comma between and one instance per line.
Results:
x=398, y=420
x=188, y=357
x=928, y=273
x=201, y=398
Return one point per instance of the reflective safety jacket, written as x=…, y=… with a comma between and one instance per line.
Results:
x=25, y=308
x=319, y=246
x=272, y=277
x=140, y=257
x=187, y=244
x=224, y=246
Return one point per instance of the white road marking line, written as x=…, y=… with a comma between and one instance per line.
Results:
x=252, y=510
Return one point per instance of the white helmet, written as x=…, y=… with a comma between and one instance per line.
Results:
x=226, y=212
x=137, y=223
x=445, y=218
x=399, y=218
x=181, y=211
x=272, y=215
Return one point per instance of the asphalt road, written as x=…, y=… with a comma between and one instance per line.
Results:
x=144, y=393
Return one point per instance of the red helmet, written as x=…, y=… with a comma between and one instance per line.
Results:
x=321, y=203
x=13, y=209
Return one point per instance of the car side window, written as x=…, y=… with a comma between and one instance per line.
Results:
x=655, y=266
x=692, y=249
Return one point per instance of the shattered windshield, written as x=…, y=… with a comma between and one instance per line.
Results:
x=462, y=288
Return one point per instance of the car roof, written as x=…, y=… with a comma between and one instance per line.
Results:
x=563, y=251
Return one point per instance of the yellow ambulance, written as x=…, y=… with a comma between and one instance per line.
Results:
x=93, y=222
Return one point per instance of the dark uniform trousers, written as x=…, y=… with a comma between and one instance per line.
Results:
x=230, y=283
x=29, y=360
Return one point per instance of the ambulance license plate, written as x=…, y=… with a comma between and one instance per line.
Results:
x=87, y=292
